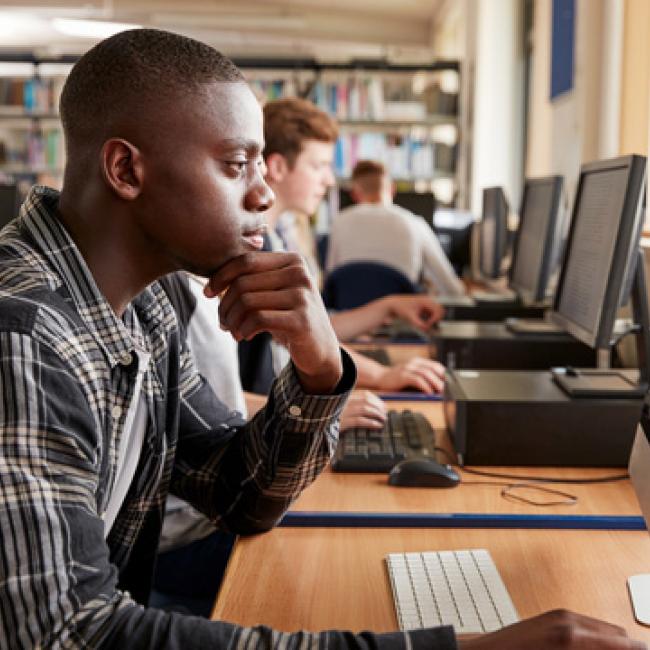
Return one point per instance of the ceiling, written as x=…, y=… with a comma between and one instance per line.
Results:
x=398, y=30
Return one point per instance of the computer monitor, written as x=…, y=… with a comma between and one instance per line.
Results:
x=639, y=469
x=602, y=248
x=420, y=203
x=493, y=233
x=538, y=238
x=9, y=204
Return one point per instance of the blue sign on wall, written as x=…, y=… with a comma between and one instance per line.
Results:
x=562, y=46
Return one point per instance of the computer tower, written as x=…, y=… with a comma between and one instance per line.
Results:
x=524, y=418
x=472, y=344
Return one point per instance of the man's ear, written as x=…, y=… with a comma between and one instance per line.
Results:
x=122, y=168
x=276, y=168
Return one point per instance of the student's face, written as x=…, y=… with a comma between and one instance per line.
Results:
x=304, y=186
x=206, y=192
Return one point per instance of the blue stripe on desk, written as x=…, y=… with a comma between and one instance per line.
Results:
x=299, y=519
x=411, y=397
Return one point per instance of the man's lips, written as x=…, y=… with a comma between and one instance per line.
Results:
x=254, y=237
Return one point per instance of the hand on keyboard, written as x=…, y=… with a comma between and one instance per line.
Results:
x=557, y=630
x=422, y=374
x=379, y=449
x=364, y=409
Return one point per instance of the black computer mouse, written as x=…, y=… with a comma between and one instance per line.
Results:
x=423, y=472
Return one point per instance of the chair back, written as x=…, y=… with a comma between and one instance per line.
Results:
x=356, y=283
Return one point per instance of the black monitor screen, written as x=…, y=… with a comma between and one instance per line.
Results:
x=421, y=203
x=493, y=232
x=8, y=204
x=602, y=246
x=537, y=236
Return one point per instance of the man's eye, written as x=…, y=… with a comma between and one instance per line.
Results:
x=238, y=165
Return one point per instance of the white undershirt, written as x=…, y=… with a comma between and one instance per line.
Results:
x=131, y=443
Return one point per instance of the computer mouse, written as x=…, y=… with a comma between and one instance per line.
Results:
x=423, y=472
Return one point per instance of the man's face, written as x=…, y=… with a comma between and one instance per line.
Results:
x=304, y=186
x=204, y=192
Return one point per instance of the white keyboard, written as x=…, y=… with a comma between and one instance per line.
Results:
x=459, y=588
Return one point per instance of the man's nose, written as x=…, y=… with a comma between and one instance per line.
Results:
x=259, y=197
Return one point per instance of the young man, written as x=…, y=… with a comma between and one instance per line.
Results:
x=377, y=230
x=298, y=153
x=103, y=412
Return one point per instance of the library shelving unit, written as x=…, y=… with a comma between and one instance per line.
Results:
x=31, y=141
x=407, y=116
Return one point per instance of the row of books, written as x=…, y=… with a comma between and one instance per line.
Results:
x=363, y=98
x=38, y=149
x=31, y=95
x=404, y=157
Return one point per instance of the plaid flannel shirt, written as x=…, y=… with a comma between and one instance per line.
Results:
x=67, y=373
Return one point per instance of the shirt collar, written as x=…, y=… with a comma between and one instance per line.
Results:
x=38, y=215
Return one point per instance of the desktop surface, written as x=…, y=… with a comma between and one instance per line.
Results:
x=486, y=330
x=335, y=578
x=336, y=492
x=491, y=312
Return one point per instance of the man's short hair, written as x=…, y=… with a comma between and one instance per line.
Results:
x=289, y=122
x=368, y=176
x=129, y=74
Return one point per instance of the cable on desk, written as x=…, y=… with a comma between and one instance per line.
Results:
x=533, y=483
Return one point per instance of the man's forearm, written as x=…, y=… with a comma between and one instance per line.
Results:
x=353, y=322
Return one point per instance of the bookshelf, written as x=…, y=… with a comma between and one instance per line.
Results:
x=31, y=140
x=404, y=115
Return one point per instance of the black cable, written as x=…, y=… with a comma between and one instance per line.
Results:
x=508, y=490
x=541, y=479
x=549, y=479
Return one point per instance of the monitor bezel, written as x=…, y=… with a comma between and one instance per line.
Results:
x=538, y=294
x=624, y=250
x=501, y=236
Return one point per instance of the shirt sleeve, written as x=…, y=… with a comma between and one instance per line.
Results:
x=58, y=587
x=436, y=265
x=245, y=478
x=331, y=259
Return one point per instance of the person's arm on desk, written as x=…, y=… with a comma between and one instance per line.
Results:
x=418, y=373
x=418, y=310
x=556, y=630
x=435, y=265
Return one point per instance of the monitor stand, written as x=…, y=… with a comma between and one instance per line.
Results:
x=608, y=383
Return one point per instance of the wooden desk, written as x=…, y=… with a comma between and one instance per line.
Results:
x=337, y=492
x=397, y=352
x=317, y=579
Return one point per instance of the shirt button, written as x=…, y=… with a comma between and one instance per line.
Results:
x=126, y=359
x=116, y=411
x=295, y=411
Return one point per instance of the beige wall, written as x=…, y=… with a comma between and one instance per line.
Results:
x=635, y=85
x=578, y=126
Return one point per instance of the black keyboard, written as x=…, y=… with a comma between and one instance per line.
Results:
x=401, y=332
x=405, y=435
x=376, y=354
